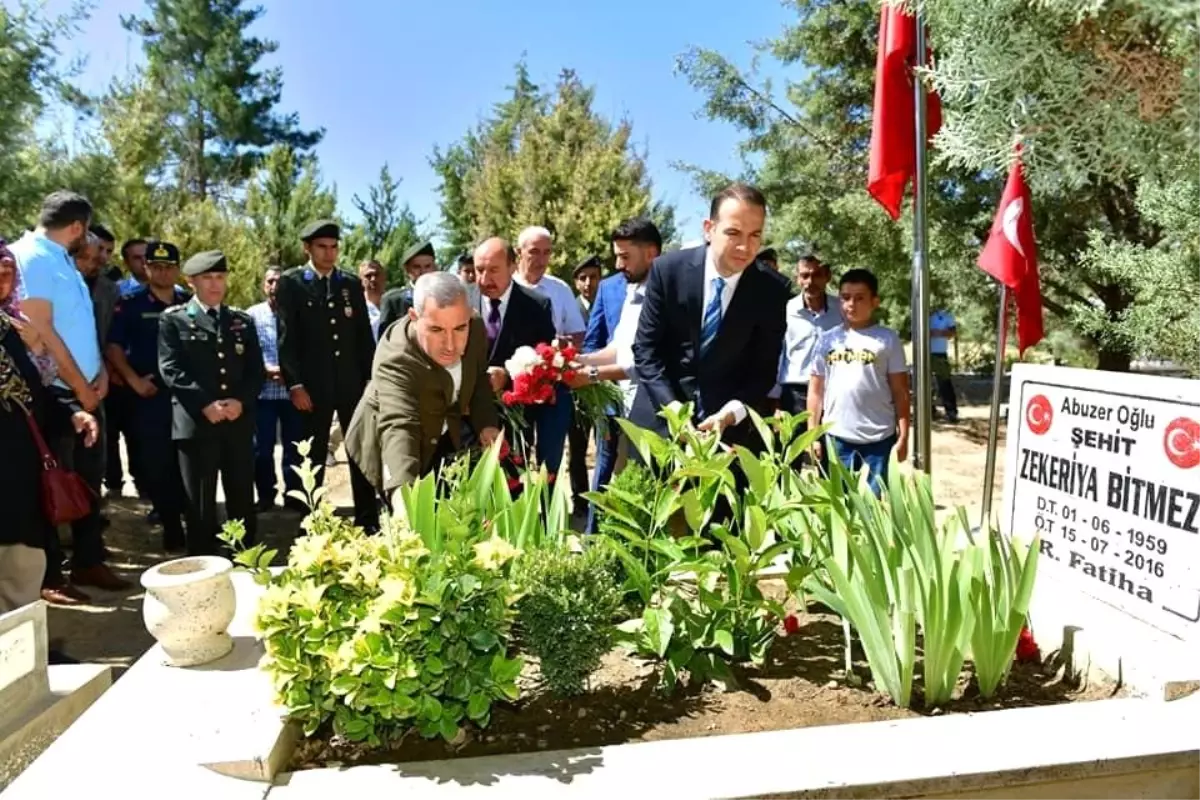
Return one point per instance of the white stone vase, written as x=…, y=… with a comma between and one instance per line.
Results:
x=188, y=607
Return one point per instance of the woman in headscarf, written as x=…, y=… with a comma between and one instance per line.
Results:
x=23, y=377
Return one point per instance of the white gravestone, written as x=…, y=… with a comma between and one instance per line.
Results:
x=23, y=657
x=1106, y=468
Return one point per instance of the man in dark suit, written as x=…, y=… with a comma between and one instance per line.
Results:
x=712, y=324
x=210, y=361
x=514, y=316
x=429, y=395
x=325, y=351
x=418, y=260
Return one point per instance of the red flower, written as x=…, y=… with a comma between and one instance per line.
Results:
x=517, y=460
x=514, y=484
x=791, y=625
x=550, y=478
x=569, y=353
x=1027, y=649
x=504, y=448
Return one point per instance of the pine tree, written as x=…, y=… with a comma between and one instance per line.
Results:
x=388, y=228
x=217, y=105
x=283, y=199
x=546, y=159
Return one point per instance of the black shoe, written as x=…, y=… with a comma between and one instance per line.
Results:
x=153, y=517
x=295, y=506
x=263, y=506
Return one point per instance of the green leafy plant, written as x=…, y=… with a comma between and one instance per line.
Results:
x=698, y=580
x=384, y=634
x=890, y=571
x=566, y=612
x=1002, y=588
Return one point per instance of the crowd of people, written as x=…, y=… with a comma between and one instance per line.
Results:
x=93, y=353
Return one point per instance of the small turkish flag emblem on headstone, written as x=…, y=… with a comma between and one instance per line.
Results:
x=1039, y=414
x=1181, y=441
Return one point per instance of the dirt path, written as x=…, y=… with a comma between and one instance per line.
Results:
x=110, y=630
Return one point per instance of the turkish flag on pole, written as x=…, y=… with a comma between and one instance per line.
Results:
x=893, y=120
x=1010, y=256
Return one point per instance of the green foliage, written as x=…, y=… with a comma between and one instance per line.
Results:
x=1106, y=97
x=284, y=197
x=544, y=159
x=1002, y=587
x=888, y=570
x=633, y=481
x=216, y=103
x=388, y=228
x=696, y=579
x=382, y=634
x=566, y=611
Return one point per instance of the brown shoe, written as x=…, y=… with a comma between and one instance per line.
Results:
x=65, y=595
x=100, y=576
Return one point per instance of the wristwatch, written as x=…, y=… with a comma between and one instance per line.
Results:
x=593, y=374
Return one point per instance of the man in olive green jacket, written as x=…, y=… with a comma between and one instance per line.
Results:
x=429, y=395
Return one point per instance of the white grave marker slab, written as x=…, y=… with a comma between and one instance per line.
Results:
x=23, y=645
x=1106, y=467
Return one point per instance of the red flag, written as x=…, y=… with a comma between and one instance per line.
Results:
x=893, y=121
x=1010, y=256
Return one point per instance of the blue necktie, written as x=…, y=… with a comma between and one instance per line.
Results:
x=712, y=317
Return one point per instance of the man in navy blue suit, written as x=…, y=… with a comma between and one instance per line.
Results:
x=612, y=325
x=712, y=325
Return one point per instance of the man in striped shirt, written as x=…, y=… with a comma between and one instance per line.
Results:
x=276, y=415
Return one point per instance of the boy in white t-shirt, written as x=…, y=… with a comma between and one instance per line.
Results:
x=859, y=384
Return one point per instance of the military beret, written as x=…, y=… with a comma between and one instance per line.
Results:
x=208, y=261
x=587, y=263
x=321, y=229
x=158, y=251
x=418, y=249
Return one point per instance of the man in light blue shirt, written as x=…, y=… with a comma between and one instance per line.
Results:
x=58, y=303
x=942, y=328
x=55, y=296
x=809, y=314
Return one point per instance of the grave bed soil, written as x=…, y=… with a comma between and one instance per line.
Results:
x=801, y=685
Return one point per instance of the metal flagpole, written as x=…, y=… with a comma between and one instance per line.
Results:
x=989, y=465
x=920, y=278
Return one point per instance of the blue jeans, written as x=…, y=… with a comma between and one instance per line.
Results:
x=606, y=461
x=550, y=423
x=875, y=455
x=276, y=417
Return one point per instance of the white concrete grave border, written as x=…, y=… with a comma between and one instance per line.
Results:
x=213, y=732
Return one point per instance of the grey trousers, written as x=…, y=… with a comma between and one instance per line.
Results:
x=21, y=571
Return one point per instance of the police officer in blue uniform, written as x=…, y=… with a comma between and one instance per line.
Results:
x=212, y=364
x=132, y=349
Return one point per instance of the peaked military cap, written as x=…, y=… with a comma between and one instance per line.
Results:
x=588, y=263
x=208, y=261
x=161, y=252
x=321, y=229
x=418, y=249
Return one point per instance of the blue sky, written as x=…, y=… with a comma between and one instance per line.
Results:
x=388, y=81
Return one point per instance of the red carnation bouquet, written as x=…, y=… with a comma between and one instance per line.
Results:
x=536, y=373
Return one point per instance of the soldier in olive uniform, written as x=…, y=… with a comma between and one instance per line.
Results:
x=325, y=351
x=211, y=363
x=395, y=303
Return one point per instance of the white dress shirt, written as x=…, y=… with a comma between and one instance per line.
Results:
x=623, y=336
x=568, y=319
x=455, y=378
x=735, y=407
